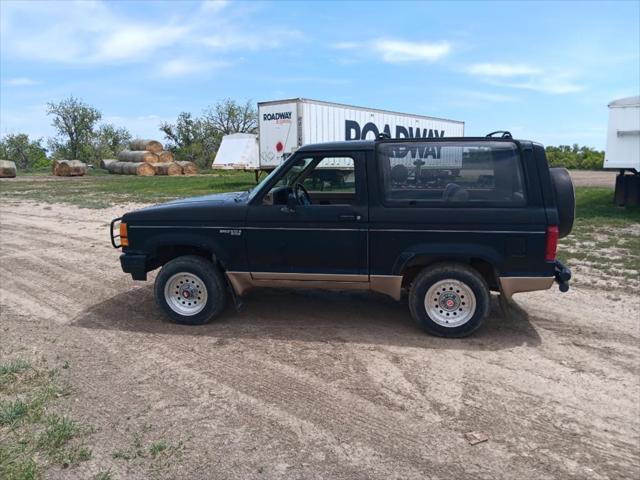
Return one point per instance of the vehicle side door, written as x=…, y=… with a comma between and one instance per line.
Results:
x=327, y=238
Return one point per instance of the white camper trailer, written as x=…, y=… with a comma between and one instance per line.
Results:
x=285, y=125
x=623, y=149
x=237, y=151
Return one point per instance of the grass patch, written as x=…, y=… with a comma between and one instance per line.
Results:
x=10, y=368
x=604, y=246
x=11, y=412
x=103, y=475
x=59, y=430
x=157, y=448
x=594, y=206
x=102, y=191
x=31, y=440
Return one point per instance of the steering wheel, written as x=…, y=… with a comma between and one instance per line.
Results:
x=301, y=194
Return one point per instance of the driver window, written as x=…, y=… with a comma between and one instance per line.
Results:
x=327, y=181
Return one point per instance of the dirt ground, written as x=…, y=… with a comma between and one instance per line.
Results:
x=588, y=178
x=310, y=385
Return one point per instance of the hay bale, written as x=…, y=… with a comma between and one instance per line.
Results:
x=142, y=169
x=140, y=144
x=188, y=168
x=7, y=169
x=137, y=156
x=167, y=168
x=165, y=157
x=69, y=168
x=105, y=162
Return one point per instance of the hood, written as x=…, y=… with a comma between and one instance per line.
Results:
x=213, y=199
x=201, y=211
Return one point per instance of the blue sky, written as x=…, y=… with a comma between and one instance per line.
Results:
x=543, y=70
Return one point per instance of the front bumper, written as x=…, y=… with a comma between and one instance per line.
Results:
x=135, y=264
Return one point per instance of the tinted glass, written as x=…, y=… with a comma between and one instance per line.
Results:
x=467, y=173
x=332, y=174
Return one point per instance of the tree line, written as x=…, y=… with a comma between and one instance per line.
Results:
x=81, y=136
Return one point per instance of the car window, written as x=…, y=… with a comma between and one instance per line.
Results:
x=467, y=173
x=291, y=176
x=332, y=174
x=329, y=180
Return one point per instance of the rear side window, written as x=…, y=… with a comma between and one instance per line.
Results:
x=452, y=173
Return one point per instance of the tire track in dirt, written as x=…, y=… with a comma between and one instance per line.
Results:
x=284, y=395
x=63, y=301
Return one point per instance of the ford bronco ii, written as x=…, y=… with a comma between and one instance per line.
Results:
x=446, y=220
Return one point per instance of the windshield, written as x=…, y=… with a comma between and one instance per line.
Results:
x=266, y=180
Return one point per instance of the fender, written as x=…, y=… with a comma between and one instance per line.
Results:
x=426, y=253
x=207, y=239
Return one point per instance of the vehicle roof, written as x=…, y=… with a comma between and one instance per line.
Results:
x=370, y=144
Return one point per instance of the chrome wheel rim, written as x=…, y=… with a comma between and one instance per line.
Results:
x=450, y=303
x=186, y=294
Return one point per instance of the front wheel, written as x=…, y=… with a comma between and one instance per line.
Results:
x=190, y=290
x=449, y=300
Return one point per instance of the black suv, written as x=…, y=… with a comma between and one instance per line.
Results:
x=447, y=220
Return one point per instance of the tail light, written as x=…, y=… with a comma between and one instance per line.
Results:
x=552, y=243
x=124, y=236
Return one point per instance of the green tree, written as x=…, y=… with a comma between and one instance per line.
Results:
x=193, y=139
x=108, y=140
x=75, y=122
x=26, y=153
x=197, y=139
x=575, y=157
x=228, y=116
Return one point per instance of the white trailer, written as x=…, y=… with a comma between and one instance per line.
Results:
x=623, y=149
x=237, y=151
x=285, y=125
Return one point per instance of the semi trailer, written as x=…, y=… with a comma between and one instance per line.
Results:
x=623, y=149
x=286, y=125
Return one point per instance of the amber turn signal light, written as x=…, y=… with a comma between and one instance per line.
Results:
x=124, y=240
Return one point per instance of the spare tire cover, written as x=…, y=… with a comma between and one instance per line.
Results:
x=565, y=199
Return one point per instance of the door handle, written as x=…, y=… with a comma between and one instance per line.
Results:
x=349, y=217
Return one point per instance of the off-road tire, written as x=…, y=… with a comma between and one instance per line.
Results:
x=458, y=273
x=211, y=277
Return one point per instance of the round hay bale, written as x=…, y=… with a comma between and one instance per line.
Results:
x=140, y=144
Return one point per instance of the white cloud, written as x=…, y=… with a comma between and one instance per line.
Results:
x=394, y=51
x=132, y=41
x=179, y=67
x=553, y=85
x=503, y=70
x=526, y=77
x=98, y=33
x=213, y=5
x=20, y=82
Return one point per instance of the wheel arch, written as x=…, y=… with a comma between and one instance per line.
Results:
x=166, y=248
x=484, y=260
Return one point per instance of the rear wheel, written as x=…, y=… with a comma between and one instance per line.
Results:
x=449, y=300
x=190, y=290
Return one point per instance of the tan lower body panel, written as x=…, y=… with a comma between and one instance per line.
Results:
x=244, y=281
x=511, y=285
